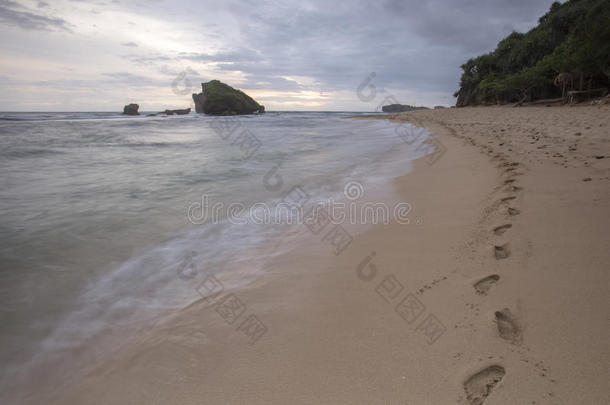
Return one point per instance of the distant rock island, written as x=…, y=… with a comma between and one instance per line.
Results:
x=131, y=109
x=183, y=111
x=217, y=98
x=394, y=108
x=178, y=112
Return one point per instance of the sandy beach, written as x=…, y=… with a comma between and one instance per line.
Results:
x=392, y=202
x=496, y=292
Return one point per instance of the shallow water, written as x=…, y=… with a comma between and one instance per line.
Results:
x=94, y=229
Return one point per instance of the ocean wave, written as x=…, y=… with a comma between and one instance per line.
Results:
x=29, y=153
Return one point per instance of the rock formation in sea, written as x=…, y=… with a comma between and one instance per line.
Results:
x=178, y=112
x=217, y=98
x=131, y=109
x=394, y=108
x=199, y=100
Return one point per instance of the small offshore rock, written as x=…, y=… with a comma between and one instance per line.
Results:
x=131, y=109
x=178, y=112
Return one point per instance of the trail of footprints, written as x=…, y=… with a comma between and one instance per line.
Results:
x=480, y=385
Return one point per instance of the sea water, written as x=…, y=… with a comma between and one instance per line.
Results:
x=102, y=221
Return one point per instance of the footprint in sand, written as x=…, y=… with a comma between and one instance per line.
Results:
x=479, y=386
x=483, y=285
x=508, y=326
x=501, y=252
x=513, y=211
x=499, y=230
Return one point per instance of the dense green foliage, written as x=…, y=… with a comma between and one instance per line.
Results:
x=573, y=38
x=222, y=99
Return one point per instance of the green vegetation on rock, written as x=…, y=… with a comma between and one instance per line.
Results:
x=568, y=50
x=218, y=98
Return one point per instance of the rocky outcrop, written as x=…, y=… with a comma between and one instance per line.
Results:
x=178, y=112
x=199, y=100
x=217, y=98
x=394, y=108
x=131, y=109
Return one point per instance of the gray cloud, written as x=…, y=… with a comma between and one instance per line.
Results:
x=108, y=79
x=150, y=59
x=410, y=44
x=133, y=80
x=16, y=14
x=239, y=54
x=413, y=46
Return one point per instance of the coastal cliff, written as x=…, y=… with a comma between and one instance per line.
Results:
x=565, y=58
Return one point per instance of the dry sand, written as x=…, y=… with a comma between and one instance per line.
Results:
x=521, y=297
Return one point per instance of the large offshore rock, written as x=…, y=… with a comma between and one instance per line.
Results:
x=217, y=98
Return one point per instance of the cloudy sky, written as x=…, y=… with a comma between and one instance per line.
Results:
x=77, y=55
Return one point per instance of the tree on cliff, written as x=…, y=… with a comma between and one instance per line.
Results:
x=572, y=40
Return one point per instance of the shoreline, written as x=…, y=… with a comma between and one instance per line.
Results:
x=334, y=334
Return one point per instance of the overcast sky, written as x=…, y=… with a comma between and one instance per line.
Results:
x=75, y=55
